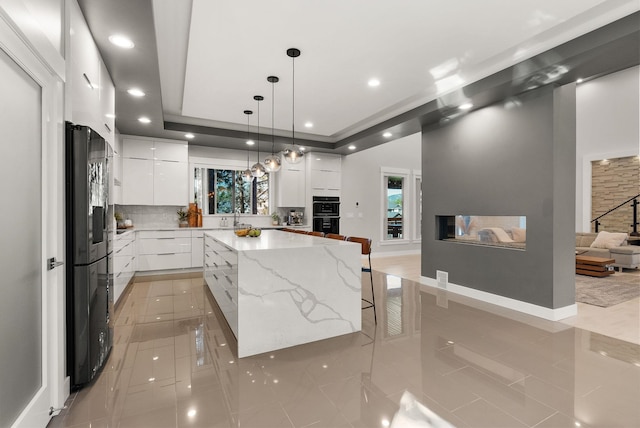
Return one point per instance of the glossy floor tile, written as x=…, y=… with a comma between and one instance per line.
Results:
x=474, y=365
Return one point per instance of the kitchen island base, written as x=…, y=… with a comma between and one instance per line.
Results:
x=284, y=289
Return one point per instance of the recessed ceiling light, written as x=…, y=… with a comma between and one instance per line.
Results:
x=308, y=125
x=579, y=80
x=144, y=120
x=250, y=142
x=465, y=106
x=386, y=134
x=352, y=147
x=121, y=41
x=136, y=92
x=189, y=136
x=373, y=83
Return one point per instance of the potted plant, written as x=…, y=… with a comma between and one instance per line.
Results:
x=275, y=219
x=119, y=220
x=183, y=218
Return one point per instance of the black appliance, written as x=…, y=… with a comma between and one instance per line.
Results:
x=326, y=214
x=89, y=297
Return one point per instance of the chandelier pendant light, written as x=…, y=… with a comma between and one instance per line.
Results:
x=246, y=174
x=272, y=162
x=257, y=170
x=293, y=154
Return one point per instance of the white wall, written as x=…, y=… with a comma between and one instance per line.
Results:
x=361, y=183
x=607, y=126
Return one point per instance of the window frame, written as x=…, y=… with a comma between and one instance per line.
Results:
x=225, y=164
x=407, y=215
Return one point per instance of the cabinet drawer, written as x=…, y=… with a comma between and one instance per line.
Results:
x=123, y=248
x=164, y=261
x=164, y=246
x=144, y=234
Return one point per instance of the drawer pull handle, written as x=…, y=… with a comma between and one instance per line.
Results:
x=165, y=238
x=228, y=264
x=229, y=280
x=228, y=295
x=166, y=254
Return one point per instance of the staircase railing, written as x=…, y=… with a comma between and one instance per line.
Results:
x=634, y=223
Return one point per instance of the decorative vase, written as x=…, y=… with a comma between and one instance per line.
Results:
x=183, y=223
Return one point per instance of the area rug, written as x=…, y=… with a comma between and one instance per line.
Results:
x=607, y=291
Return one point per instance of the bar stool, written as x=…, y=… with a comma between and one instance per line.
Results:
x=314, y=233
x=365, y=244
x=335, y=236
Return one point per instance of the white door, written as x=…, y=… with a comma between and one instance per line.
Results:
x=27, y=166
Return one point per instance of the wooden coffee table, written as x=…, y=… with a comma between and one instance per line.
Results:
x=594, y=266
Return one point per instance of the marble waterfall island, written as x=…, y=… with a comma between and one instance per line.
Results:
x=283, y=289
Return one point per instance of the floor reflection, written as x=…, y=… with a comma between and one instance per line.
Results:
x=173, y=365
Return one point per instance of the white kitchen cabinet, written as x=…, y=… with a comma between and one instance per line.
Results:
x=140, y=149
x=221, y=275
x=164, y=249
x=155, y=172
x=107, y=95
x=291, y=186
x=176, y=152
x=116, y=170
x=124, y=262
x=137, y=181
x=325, y=174
x=89, y=87
x=170, y=183
x=197, y=248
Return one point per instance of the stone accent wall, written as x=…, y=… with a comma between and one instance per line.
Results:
x=612, y=182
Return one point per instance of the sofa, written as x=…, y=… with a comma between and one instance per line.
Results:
x=625, y=256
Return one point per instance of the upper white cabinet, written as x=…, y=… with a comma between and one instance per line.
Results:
x=139, y=149
x=325, y=174
x=155, y=172
x=170, y=183
x=291, y=185
x=137, y=181
x=172, y=152
x=89, y=88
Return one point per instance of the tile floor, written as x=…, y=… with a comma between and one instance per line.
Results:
x=474, y=365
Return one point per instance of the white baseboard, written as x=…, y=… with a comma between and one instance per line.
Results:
x=506, y=302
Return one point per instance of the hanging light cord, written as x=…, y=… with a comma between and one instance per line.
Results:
x=258, y=142
x=293, y=100
x=273, y=139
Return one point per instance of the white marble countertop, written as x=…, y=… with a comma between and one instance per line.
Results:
x=273, y=239
x=136, y=228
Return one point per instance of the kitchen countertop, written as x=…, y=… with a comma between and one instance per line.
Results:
x=272, y=239
x=136, y=228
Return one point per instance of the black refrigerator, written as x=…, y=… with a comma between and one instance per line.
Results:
x=89, y=296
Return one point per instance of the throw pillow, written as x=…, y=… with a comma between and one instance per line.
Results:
x=608, y=240
x=519, y=234
x=500, y=234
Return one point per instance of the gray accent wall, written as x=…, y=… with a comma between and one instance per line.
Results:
x=515, y=159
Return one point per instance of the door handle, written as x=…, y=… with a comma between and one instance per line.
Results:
x=52, y=263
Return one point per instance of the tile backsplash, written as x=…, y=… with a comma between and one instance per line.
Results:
x=145, y=216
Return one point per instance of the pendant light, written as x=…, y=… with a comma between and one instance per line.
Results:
x=257, y=170
x=272, y=162
x=246, y=174
x=293, y=154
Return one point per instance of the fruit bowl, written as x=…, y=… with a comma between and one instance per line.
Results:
x=242, y=229
x=254, y=233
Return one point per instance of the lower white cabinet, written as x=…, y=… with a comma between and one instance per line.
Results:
x=124, y=262
x=164, y=249
x=221, y=275
x=197, y=248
